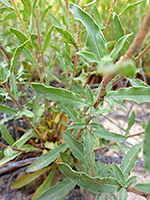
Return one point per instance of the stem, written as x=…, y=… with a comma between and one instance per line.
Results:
x=19, y=107
x=77, y=56
x=39, y=39
x=134, y=135
x=5, y=146
x=28, y=36
x=108, y=17
x=6, y=54
x=142, y=53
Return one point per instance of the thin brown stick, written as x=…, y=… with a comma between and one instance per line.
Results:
x=39, y=39
x=137, y=192
x=136, y=134
x=108, y=17
x=5, y=53
x=19, y=107
x=77, y=56
x=5, y=146
x=142, y=53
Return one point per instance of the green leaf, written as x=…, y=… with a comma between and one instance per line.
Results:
x=7, y=110
x=21, y=36
x=27, y=6
x=27, y=54
x=123, y=194
x=47, y=158
x=94, y=185
x=55, y=21
x=130, y=123
x=97, y=16
x=69, y=38
x=130, y=181
x=6, y=3
x=77, y=125
x=67, y=158
x=136, y=94
x=59, y=191
x=26, y=179
x=90, y=57
x=47, y=39
x=101, y=132
x=89, y=144
x=118, y=174
x=8, y=158
x=13, y=85
x=89, y=95
x=46, y=184
x=65, y=16
x=75, y=146
x=94, y=32
x=17, y=53
x=130, y=6
x=137, y=82
x=118, y=29
x=59, y=96
x=143, y=187
x=118, y=46
x=130, y=159
x=146, y=147
x=6, y=135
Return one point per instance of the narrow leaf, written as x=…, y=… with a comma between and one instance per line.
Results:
x=123, y=194
x=7, y=110
x=6, y=135
x=47, y=158
x=90, y=57
x=118, y=173
x=93, y=30
x=143, y=187
x=59, y=191
x=146, y=147
x=59, y=96
x=94, y=185
x=130, y=181
x=89, y=95
x=6, y=3
x=47, y=39
x=130, y=123
x=26, y=179
x=130, y=159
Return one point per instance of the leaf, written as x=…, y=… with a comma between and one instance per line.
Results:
x=27, y=54
x=8, y=158
x=130, y=6
x=75, y=146
x=130, y=123
x=55, y=21
x=101, y=132
x=27, y=6
x=13, y=85
x=28, y=178
x=123, y=194
x=77, y=125
x=118, y=174
x=6, y=3
x=46, y=184
x=47, y=158
x=65, y=16
x=47, y=39
x=136, y=94
x=17, y=53
x=143, y=187
x=90, y=57
x=59, y=191
x=89, y=95
x=94, y=185
x=146, y=147
x=89, y=144
x=118, y=46
x=118, y=29
x=130, y=159
x=97, y=16
x=6, y=135
x=93, y=30
x=21, y=36
x=137, y=82
x=130, y=181
x=59, y=95
x=7, y=110
x=69, y=38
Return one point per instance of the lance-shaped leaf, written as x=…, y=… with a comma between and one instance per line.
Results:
x=90, y=57
x=6, y=3
x=6, y=135
x=130, y=159
x=75, y=146
x=89, y=144
x=17, y=53
x=47, y=158
x=67, y=36
x=136, y=94
x=59, y=191
x=146, y=147
x=118, y=46
x=94, y=33
x=101, y=132
x=59, y=95
x=21, y=36
x=118, y=174
x=123, y=194
x=7, y=110
x=95, y=184
x=143, y=187
x=47, y=39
